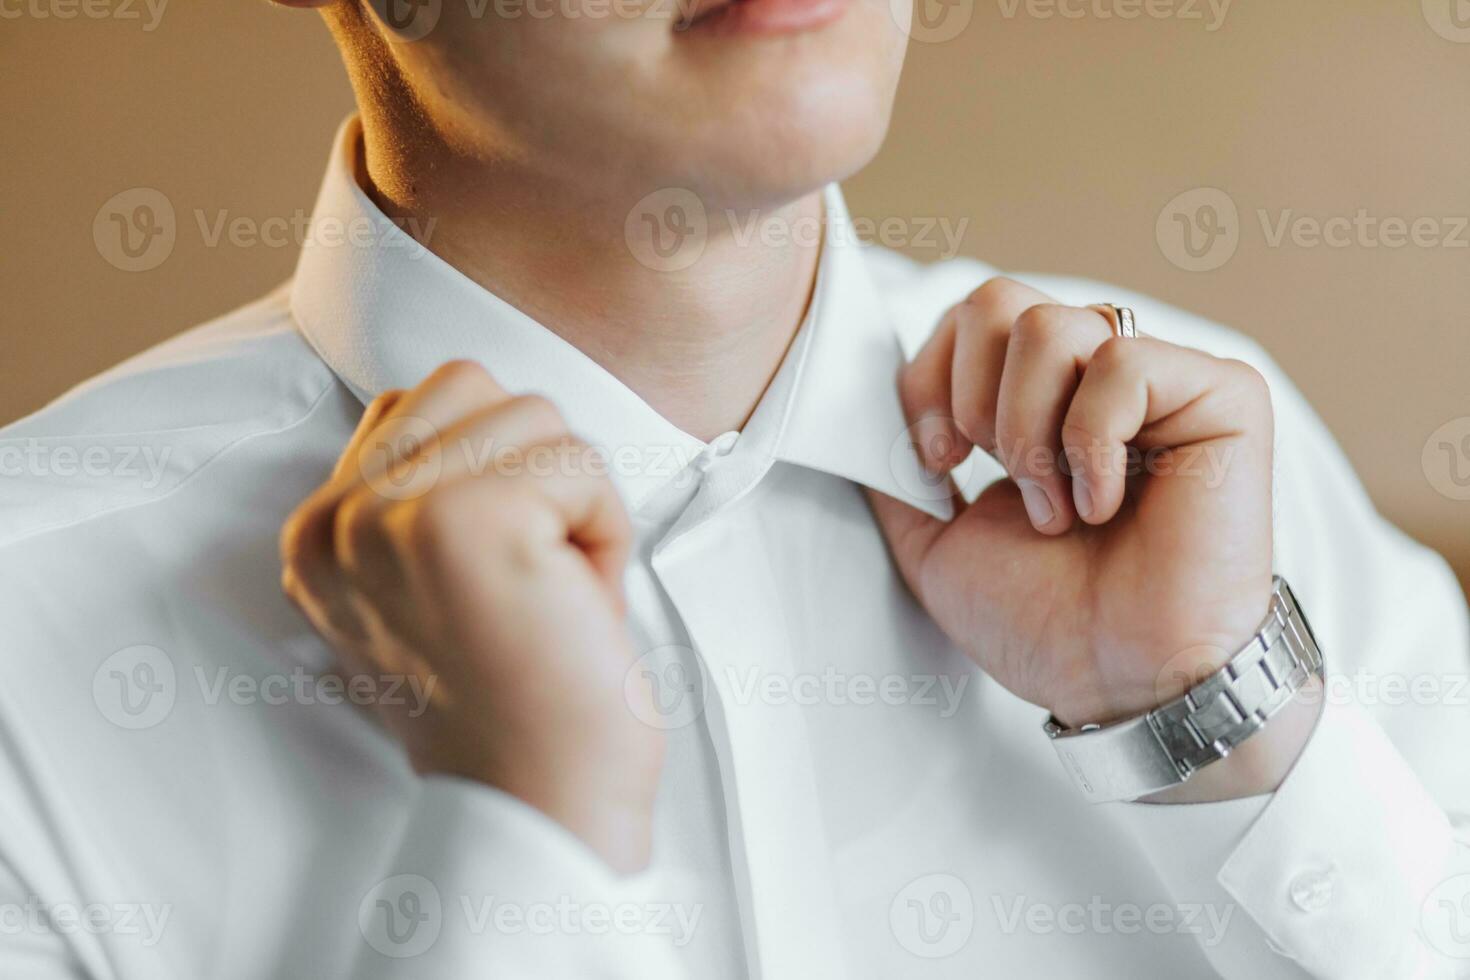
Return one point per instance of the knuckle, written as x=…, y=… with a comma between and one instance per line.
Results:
x=385, y=398
x=995, y=293
x=1078, y=433
x=1248, y=378
x=461, y=373
x=439, y=522
x=301, y=527
x=291, y=539
x=432, y=525
x=1113, y=354
x=357, y=526
x=1038, y=324
x=1252, y=392
x=292, y=586
x=540, y=410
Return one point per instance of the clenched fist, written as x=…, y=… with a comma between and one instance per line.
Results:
x=1129, y=555
x=467, y=539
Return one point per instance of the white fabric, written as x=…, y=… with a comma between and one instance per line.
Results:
x=847, y=799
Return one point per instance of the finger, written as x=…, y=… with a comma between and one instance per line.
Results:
x=412, y=425
x=924, y=389
x=910, y=534
x=560, y=493
x=489, y=443
x=396, y=425
x=525, y=440
x=1153, y=395
x=1049, y=348
x=304, y=542
x=370, y=419
x=982, y=336
x=309, y=551
x=589, y=506
x=494, y=439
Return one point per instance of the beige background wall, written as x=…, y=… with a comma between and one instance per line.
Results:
x=1060, y=138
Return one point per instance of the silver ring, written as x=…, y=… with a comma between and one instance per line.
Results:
x=1121, y=318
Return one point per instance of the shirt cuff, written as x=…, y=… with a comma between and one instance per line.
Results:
x=1332, y=869
x=485, y=885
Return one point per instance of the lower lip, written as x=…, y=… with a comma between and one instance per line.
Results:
x=769, y=17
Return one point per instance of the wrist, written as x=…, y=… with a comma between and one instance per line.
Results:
x=1237, y=732
x=1261, y=763
x=1175, y=667
x=608, y=803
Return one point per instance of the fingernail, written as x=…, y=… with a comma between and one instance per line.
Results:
x=1038, y=504
x=1082, y=497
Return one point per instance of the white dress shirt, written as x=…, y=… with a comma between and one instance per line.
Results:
x=187, y=791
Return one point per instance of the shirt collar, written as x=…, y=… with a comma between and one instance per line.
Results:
x=383, y=311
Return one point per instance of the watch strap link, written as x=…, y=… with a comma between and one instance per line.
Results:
x=1174, y=741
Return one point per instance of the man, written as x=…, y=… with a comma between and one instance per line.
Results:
x=639, y=618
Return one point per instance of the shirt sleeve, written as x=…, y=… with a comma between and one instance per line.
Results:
x=1358, y=865
x=484, y=885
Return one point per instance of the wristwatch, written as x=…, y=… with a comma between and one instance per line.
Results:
x=1171, y=743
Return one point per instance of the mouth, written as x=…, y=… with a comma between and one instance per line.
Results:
x=758, y=16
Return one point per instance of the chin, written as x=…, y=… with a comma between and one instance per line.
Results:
x=741, y=178
x=801, y=137
x=744, y=121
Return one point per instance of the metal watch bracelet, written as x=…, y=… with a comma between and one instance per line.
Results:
x=1171, y=743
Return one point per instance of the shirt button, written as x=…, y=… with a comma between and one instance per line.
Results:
x=723, y=443
x=1312, y=890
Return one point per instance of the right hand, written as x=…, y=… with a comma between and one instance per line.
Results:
x=498, y=579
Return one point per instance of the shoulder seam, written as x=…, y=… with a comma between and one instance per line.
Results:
x=36, y=532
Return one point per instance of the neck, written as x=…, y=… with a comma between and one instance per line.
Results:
x=699, y=344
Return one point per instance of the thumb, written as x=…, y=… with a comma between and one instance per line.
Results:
x=910, y=534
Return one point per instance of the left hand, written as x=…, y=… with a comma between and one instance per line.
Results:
x=1101, y=594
